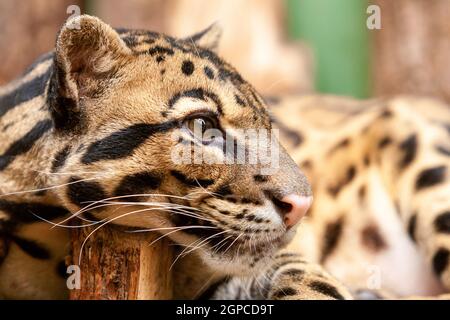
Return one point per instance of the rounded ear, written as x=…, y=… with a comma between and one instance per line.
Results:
x=87, y=51
x=208, y=38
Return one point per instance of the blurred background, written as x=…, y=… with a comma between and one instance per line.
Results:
x=281, y=46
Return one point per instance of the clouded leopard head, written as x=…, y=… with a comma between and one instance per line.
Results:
x=160, y=133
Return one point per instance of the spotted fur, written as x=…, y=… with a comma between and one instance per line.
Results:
x=380, y=176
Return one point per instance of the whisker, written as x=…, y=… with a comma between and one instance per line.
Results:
x=46, y=188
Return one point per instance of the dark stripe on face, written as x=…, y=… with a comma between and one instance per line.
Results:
x=82, y=193
x=24, y=92
x=284, y=292
x=198, y=93
x=409, y=149
x=440, y=260
x=442, y=223
x=26, y=212
x=138, y=183
x=122, y=143
x=160, y=51
x=60, y=158
x=187, y=67
x=326, y=289
x=25, y=143
x=208, y=72
x=384, y=142
x=34, y=249
x=430, y=177
x=412, y=227
x=195, y=183
x=332, y=235
x=239, y=101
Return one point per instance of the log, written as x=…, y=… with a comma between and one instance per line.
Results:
x=412, y=47
x=116, y=265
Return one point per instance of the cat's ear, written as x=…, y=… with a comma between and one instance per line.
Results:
x=208, y=38
x=87, y=52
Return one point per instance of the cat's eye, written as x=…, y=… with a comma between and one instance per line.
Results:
x=198, y=125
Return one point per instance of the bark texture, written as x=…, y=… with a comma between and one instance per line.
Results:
x=116, y=265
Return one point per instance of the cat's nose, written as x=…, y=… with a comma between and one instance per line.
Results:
x=296, y=208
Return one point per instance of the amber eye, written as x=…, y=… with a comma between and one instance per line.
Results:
x=199, y=125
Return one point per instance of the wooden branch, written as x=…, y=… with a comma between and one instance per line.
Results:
x=116, y=265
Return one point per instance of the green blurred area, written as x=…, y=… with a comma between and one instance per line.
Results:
x=336, y=31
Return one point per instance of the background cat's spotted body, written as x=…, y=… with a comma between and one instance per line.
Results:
x=381, y=187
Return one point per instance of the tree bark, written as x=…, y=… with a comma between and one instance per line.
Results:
x=412, y=49
x=116, y=265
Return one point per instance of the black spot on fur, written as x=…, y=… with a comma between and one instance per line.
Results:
x=430, y=177
x=350, y=174
x=122, y=143
x=82, y=193
x=231, y=199
x=195, y=183
x=198, y=93
x=25, y=143
x=187, y=67
x=260, y=178
x=409, y=149
x=326, y=289
x=331, y=238
x=442, y=223
x=344, y=143
x=372, y=239
x=224, y=191
x=33, y=248
x=294, y=273
x=208, y=72
x=386, y=114
x=137, y=183
x=384, y=142
x=412, y=223
x=284, y=292
x=440, y=260
x=160, y=59
x=60, y=158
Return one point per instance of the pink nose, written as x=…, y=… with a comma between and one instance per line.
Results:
x=299, y=207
